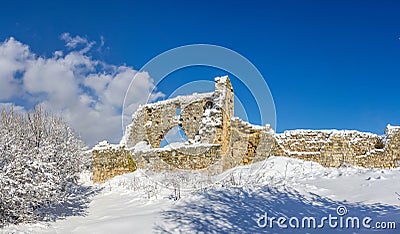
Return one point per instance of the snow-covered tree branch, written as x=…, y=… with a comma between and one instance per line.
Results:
x=40, y=159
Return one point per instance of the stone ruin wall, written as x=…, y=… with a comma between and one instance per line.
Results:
x=152, y=122
x=249, y=143
x=226, y=142
x=187, y=158
x=109, y=161
x=333, y=148
x=225, y=97
x=205, y=119
x=330, y=148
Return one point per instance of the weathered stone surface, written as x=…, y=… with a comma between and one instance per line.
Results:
x=205, y=119
x=217, y=141
x=151, y=122
x=334, y=148
x=110, y=161
x=186, y=158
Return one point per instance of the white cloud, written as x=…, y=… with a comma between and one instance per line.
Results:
x=53, y=78
x=13, y=55
x=74, y=42
x=87, y=92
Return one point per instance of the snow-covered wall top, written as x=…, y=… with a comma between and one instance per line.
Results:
x=218, y=141
x=199, y=115
x=338, y=147
x=179, y=100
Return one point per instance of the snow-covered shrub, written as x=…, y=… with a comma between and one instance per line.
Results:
x=40, y=158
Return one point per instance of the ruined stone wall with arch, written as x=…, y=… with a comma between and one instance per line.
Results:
x=217, y=141
x=151, y=122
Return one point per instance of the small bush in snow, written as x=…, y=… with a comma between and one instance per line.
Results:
x=40, y=158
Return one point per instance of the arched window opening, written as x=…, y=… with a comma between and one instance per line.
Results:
x=174, y=135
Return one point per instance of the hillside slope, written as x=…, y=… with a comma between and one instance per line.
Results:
x=139, y=203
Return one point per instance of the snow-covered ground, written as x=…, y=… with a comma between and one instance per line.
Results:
x=235, y=201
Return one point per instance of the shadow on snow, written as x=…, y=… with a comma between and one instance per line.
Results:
x=75, y=204
x=237, y=210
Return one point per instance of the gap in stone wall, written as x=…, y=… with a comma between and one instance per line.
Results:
x=178, y=111
x=175, y=134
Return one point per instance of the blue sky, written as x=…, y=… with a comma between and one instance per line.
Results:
x=328, y=64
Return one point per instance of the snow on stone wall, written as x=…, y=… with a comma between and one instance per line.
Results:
x=110, y=161
x=334, y=148
x=218, y=141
